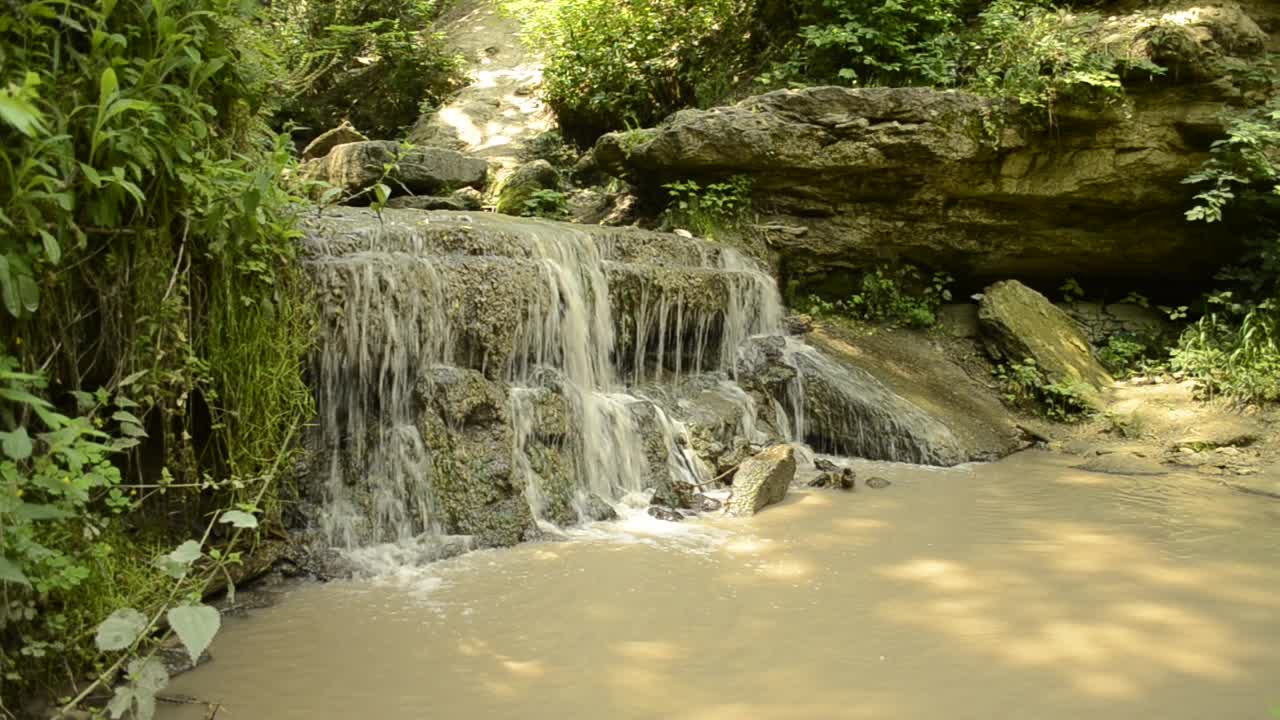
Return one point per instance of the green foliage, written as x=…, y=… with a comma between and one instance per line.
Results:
x=1233, y=350
x=148, y=247
x=546, y=203
x=1071, y=290
x=549, y=146
x=708, y=210
x=901, y=42
x=1025, y=385
x=890, y=295
x=610, y=62
x=1124, y=354
x=375, y=63
x=1038, y=55
x=1244, y=166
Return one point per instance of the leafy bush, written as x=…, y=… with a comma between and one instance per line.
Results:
x=1026, y=386
x=375, y=63
x=901, y=42
x=1233, y=350
x=707, y=211
x=890, y=295
x=1038, y=55
x=546, y=203
x=1124, y=354
x=1234, y=347
x=614, y=62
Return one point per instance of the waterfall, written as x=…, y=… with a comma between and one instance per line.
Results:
x=561, y=320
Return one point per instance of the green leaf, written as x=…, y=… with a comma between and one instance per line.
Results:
x=120, y=630
x=195, y=625
x=10, y=572
x=148, y=675
x=176, y=564
x=239, y=518
x=126, y=417
x=9, y=289
x=131, y=379
x=52, y=249
x=20, y=114
x=120, y=702
x=107, y=87
x=28, y=292
x=35, y=513
x=133, y=430
x=16, y=444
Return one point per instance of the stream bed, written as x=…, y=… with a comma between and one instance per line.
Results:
x=1019, y=589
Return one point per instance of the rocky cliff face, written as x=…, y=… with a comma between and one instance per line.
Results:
x=848, y=177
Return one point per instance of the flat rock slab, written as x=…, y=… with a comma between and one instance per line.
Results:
x=1019, y=323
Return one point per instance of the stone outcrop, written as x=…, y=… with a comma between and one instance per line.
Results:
x=845, y=178
x=1018, y=323
x=762, y=480
x=358, y=166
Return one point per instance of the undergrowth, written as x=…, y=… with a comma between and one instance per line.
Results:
x=901, y=295
x=1026, y=386
x=155, y=321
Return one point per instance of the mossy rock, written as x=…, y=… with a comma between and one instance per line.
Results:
x=523, y=183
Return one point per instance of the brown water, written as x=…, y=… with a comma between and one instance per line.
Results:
x=1023, y=589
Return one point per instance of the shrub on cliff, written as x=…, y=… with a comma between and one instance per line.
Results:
x=614, y=63
x=375, y=63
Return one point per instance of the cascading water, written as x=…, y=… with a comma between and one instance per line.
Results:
x=554, y=315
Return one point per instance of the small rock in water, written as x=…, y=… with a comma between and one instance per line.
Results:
x=665, y=513
x=877, y=483
x=825, y=465
x=598, y=510
x=706, y=504
x=839, y=479
x=823, y=480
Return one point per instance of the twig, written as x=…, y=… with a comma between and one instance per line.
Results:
x=213, y=711
x=719, y=477
x=182, y=700
x=173, y=277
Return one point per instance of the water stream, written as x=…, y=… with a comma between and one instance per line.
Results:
x=1019, y=589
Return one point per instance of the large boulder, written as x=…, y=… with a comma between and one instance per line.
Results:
x=1018, y=323
x=846, y=177
x=762, y=480
x=358, y=166
x=943, y=411
x=889, y=397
